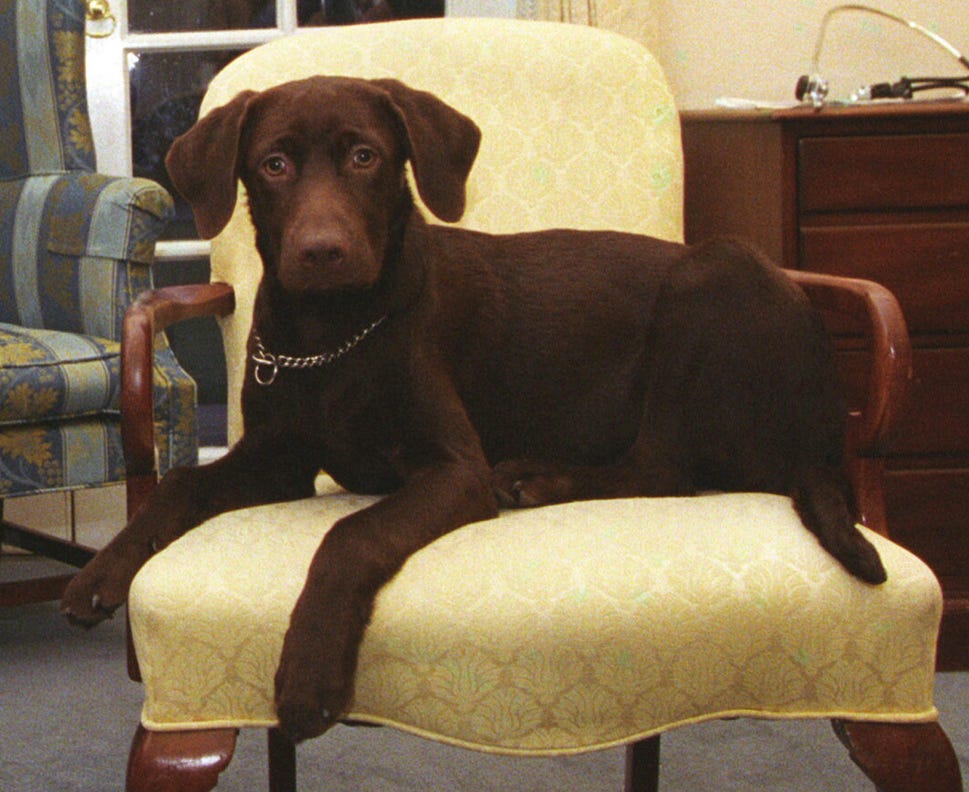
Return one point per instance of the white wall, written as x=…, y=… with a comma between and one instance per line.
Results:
x=758, y=48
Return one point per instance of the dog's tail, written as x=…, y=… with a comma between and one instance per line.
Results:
x=821, y=499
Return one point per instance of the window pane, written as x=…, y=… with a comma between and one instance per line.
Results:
x=348, y=12
x=152, y=16
x=166, y=91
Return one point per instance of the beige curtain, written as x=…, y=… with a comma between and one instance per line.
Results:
x=637, y=19
x=578, y=11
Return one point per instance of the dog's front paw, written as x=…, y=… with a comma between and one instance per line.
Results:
x=95, y=593
x=311, y=695
x=522, y=483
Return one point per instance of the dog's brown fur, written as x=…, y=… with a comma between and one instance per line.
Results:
x=514, y=370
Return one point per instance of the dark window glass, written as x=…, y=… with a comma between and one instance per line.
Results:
x=166, y=91
x=169, y=16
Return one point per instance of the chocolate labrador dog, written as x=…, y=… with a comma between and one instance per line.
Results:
x=459, y=372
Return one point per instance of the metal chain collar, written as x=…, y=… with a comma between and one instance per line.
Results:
x=267, y=365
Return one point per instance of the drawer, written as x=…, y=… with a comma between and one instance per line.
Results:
x=926, y=266
x=928, y=512
x=884, y=172
x=936, y=419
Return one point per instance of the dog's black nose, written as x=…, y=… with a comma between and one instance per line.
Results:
x=323, y=250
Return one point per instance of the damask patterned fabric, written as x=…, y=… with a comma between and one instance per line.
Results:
x=76, y=248
x=51, y=375
x=60, y=406
x=555, y=630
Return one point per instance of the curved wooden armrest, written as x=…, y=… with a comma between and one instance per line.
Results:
x=151, y=313
x=871, y=430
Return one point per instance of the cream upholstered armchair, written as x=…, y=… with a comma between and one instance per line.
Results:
x=562, y=629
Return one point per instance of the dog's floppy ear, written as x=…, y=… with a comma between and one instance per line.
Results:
x=443, y=145
x=202, y=164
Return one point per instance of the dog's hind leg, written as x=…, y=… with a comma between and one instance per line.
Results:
x=819, y=495
x=639, y=473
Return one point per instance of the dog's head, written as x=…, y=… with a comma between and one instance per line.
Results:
x=322, y=160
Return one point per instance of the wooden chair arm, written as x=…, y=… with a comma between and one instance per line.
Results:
x=873, y=428
x=151, y=313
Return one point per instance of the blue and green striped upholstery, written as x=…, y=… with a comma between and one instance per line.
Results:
x=59, y=406
x=44, y=123
x=76, y=247
x=57, y=391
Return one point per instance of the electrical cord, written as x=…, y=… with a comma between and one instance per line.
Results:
x=813, y=88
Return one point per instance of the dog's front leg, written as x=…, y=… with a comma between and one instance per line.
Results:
x=184, y=498
x=362, y=552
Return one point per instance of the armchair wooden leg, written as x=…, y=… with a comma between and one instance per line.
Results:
x=902, y=757
x=186, y=761
x=282, y=762
x=642, y=766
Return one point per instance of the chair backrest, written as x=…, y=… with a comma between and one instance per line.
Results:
x=579, y=129
x=44, y=123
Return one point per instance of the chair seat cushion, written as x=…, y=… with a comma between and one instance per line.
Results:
x=50, y=375
x=552, y=630
x=60, y=411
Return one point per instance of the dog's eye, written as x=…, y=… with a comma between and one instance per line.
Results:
x=363, y=157
x=275, y=165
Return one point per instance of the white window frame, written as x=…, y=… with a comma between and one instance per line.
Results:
x=109, y=90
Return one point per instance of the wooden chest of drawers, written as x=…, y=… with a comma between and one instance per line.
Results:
x=878, y=192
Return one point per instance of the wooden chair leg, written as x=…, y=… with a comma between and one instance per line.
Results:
x=902, y=757
x=282, y=762
x=186, y=761
x=642, y=766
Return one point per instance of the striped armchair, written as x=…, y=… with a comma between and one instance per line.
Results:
x=76, y=247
